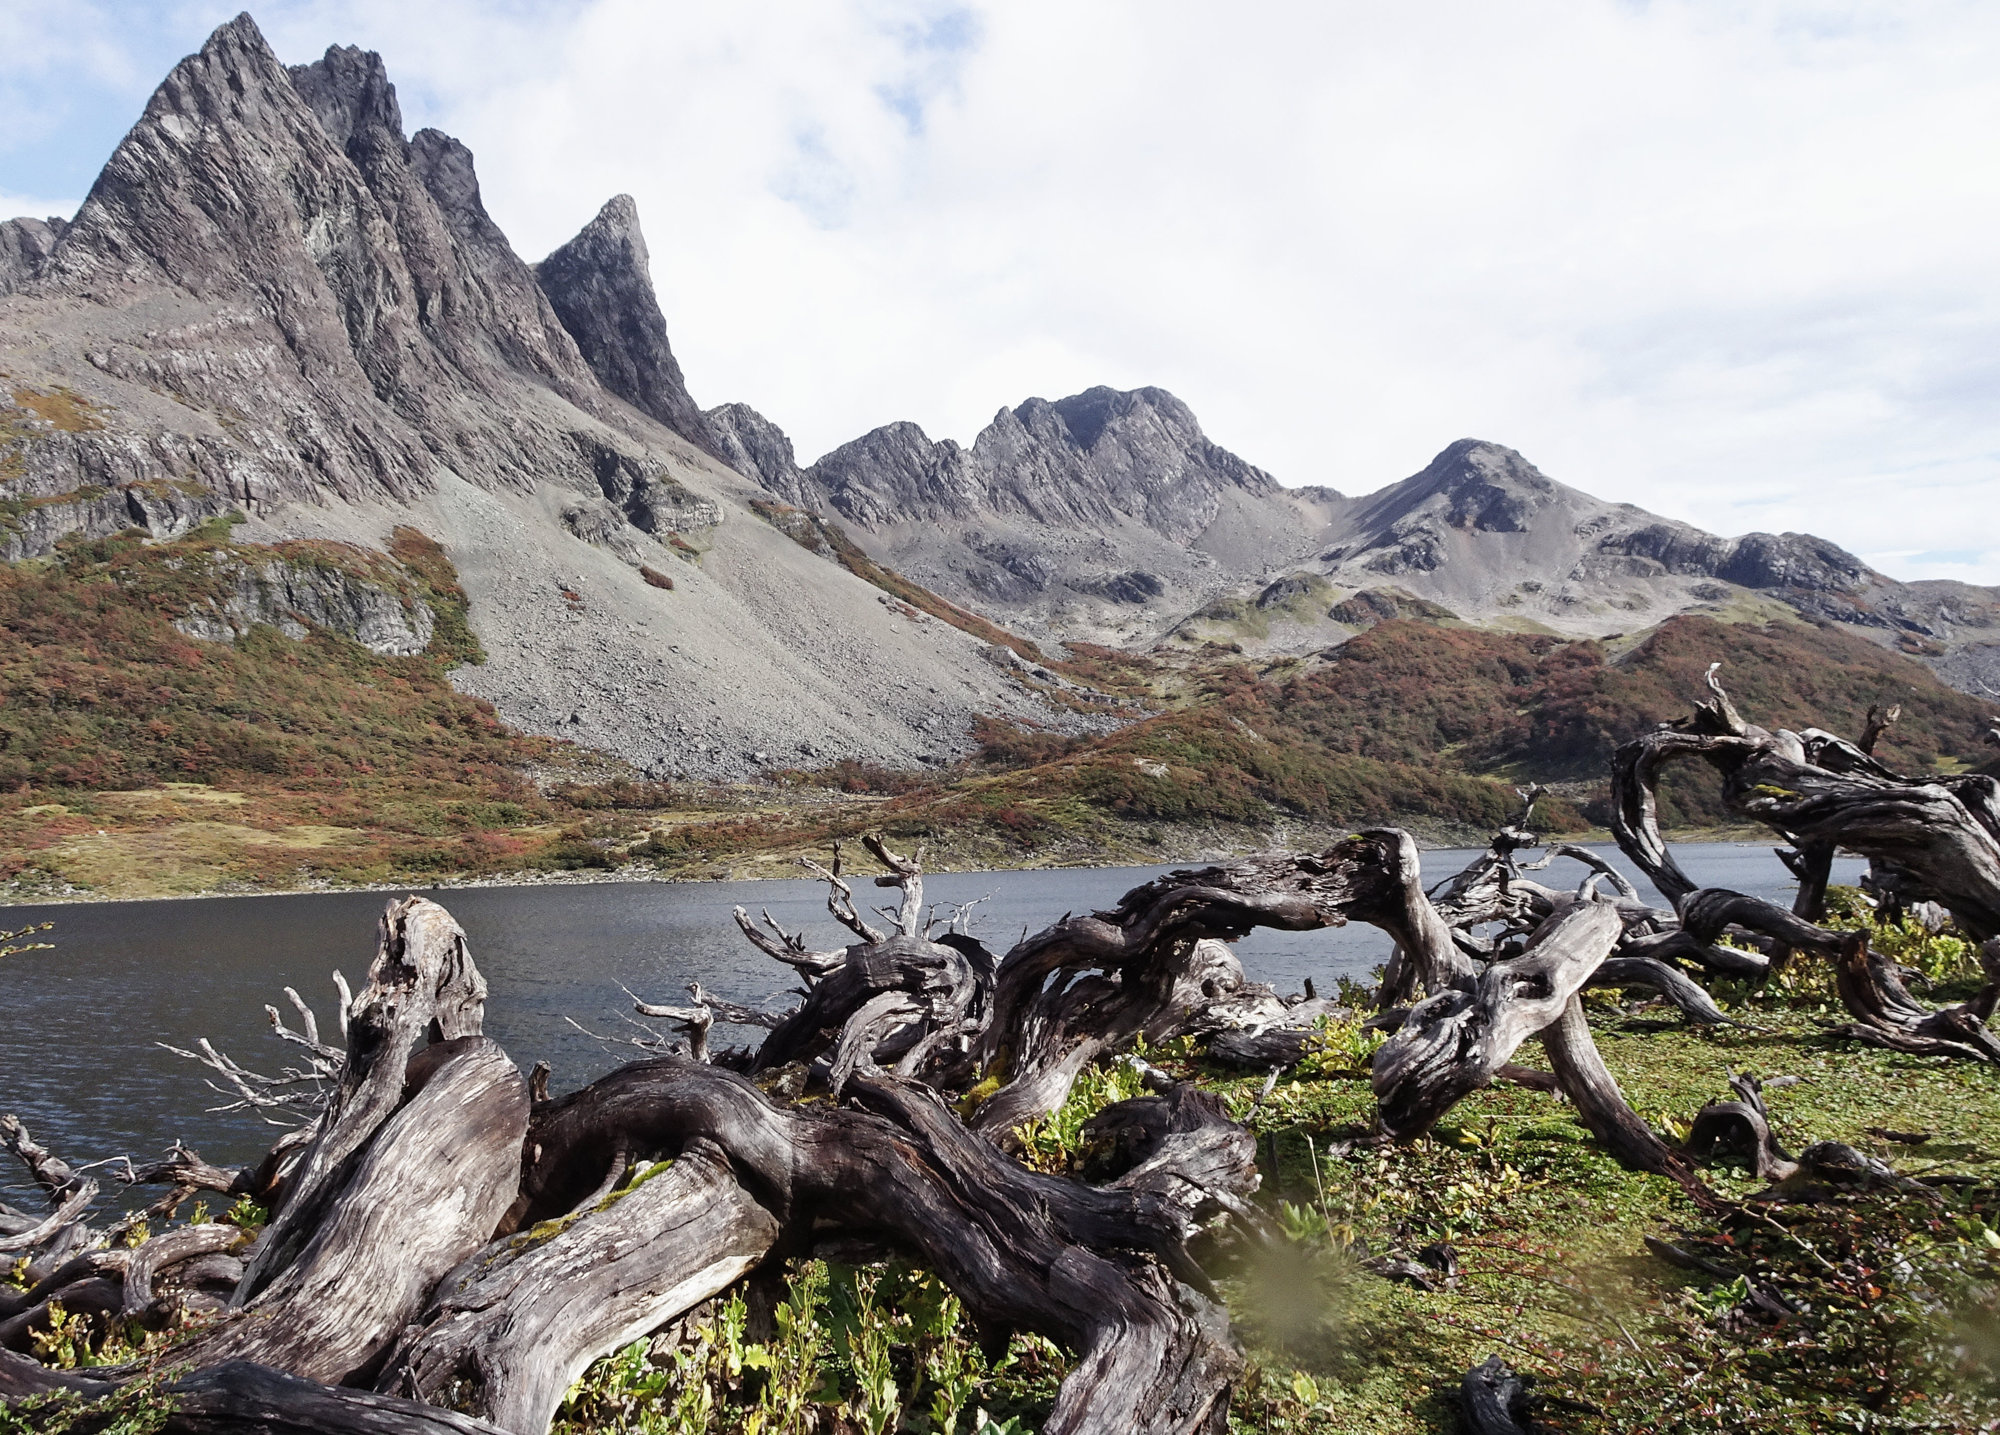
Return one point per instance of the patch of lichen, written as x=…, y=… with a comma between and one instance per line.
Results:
x=64, y=409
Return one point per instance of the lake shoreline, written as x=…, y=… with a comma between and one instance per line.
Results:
x=640, y=872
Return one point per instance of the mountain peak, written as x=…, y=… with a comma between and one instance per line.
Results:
x=1088, y=414
x=349, y=91
x=601, y=286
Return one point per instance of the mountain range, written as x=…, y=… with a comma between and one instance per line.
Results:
x=276, y=305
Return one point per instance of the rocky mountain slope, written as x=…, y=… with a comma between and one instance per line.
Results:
x=273, y=302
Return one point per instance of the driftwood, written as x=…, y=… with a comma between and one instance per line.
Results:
x=1942, y=835
x=425, y=1194
x=1021, y=1250
x=422, y=983
x=514, y=1326
x=1155, y=965
x=1744, y=1125
x=1928, y=839
x=1454, y=1042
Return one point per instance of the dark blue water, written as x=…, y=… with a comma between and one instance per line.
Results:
x=80, y=1025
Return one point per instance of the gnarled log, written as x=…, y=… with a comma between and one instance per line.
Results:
x=1140, y=967
x=509, y=1331
x=1943, y=834
x=422, y=982
x=1745, y=1125
x=424, y=1194
x=1020, y=1249
x=1453, y=1043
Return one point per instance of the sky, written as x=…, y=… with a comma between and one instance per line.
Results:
x=1734, y=262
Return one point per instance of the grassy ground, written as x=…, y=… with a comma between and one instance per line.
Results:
x=136, y=761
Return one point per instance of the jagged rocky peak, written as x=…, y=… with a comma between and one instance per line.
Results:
x=601, y=285
x=896, y=474
x=190, y=196
x=1101, y=457
x=350, y=94
x=756, y=448
x=1106, y=454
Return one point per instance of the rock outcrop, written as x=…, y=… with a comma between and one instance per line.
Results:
x=290, y=595
x=601, y=285
x=24, y=248
x=758, y=449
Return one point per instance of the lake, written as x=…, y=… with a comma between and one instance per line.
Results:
x=80, y=1025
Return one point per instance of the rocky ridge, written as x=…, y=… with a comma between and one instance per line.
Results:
x=1111, y=516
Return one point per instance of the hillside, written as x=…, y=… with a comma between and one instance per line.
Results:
x=1412, y=723
x=135, y=759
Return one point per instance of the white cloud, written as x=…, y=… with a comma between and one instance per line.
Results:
x=36, y=206
x=1729, y=261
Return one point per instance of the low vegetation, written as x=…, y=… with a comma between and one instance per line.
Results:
x=136, y=760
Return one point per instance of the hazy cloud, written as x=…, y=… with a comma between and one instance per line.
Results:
x=1731, y=261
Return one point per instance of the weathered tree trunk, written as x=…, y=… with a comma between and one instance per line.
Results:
x=1820, y=792
x=1888, y=1016
x=1932, y=839
x=1139, y=968
x=1452, y=1043
x=1021, y=1250
x=242, y=1398
x=425, y=1193
x=509, y=1331
x=422, y=983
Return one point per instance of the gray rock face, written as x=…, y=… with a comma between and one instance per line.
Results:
x=333, y=294
x=895, y=474
x=288, y=596
x=1441, y=516
x=1096, y=458
x=756, y=448
x=1756, y=560
x=651, y=499
x=1136, y=586
x=601, y=285
x=24, y=245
